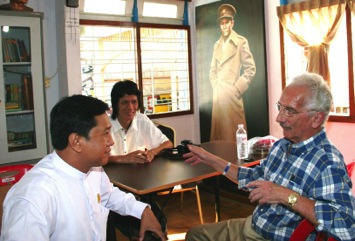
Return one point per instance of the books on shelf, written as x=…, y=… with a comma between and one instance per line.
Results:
x=12, y=106
x=21, y=139
x=12, y=92
x=12, y=97
x=14, y=50
x=19, y=97
x=27, y=92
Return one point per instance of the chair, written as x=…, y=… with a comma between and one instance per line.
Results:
x=9, y=175
x=170, y=134
x=305, y=228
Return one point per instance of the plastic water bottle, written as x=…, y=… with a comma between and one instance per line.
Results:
x=242, y=142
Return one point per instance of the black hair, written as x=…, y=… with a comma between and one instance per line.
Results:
x=74, y=114
x=120, y=89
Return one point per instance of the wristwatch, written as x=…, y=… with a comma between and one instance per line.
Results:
x=292, y=199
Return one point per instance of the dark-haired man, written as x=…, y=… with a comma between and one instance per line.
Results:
x=137, y=139
x=67, y=195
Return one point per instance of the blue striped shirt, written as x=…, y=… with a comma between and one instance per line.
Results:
x=315, y=169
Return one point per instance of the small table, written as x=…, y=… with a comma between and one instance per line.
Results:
x=164, y=173
x=227, y=150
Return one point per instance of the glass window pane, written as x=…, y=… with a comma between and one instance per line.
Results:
x=165, y=70
x=339, y=72
x=296, y=63
x=108, y=55
x=159, y=10
x=295, y=59
x=105, y=6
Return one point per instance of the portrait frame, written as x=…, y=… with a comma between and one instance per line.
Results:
x=249, y=23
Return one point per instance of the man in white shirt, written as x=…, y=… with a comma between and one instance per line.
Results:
x=137, y=139
x=67, y=195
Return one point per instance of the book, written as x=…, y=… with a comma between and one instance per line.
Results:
x=12, y=105
x=6, y=56
x=12, y=96
x=24, y=56
x=14, y=50
x=27, y=92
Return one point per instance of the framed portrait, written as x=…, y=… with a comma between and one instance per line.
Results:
x=231, y=69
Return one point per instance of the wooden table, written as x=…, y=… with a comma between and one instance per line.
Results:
x=164, y=173
x=228, y=151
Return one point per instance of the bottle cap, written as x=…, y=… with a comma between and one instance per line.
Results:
x=240, y=126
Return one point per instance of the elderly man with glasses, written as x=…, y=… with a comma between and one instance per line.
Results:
x=303, y=177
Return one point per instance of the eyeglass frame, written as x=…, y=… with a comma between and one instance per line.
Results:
x=289, y=112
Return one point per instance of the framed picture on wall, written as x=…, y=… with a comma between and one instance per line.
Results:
x=231, y=69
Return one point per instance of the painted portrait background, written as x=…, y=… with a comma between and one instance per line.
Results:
x=249, y=22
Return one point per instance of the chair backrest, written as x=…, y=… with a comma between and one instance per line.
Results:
x=167, y=130
x=305, y=228
x=9, y=175
x=350, y=168
x=12, y=174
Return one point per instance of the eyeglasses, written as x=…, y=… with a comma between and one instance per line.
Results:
x=289, y=112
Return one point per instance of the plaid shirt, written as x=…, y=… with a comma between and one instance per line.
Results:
x=315, y=169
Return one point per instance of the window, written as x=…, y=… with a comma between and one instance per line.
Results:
x=155, y=56
x=341, y=59
x=116, y=7
x=149, y=10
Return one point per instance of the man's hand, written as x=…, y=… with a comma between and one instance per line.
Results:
x=150, y=223
x=149, y=155
x=197, y=155
x=136, y=157
x=267, y=192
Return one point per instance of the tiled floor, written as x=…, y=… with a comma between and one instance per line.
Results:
x=179, y=221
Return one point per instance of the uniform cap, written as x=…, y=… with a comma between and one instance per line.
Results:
x=226, y=11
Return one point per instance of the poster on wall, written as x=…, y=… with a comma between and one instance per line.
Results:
x=231, y=69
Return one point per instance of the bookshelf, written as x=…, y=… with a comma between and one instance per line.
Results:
x=23, y=126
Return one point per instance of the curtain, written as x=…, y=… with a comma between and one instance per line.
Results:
x=312, y=25
x=352, y=6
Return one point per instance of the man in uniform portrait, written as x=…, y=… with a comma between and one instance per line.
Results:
x=231, y=72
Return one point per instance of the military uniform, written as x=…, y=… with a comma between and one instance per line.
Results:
x=228, y=82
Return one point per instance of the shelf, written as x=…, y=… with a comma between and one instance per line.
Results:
x=19, y=112
x=21, y=147
x=22, y=108
x=15, y=63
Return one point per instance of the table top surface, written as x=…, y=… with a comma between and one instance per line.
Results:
x=163, y=173
x=227, y=150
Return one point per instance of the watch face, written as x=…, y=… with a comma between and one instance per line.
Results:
x=292, y=199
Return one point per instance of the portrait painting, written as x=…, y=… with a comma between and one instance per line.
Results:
x=231, y=69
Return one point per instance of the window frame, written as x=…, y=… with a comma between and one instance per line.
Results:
x=137, y=27
x=332, y=118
